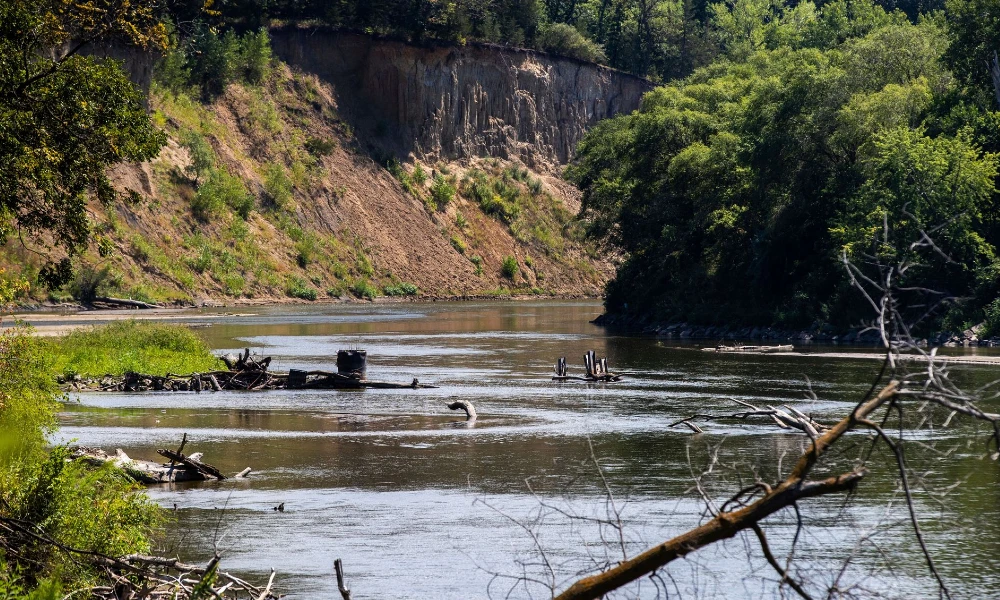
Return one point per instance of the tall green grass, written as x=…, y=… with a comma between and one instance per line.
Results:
x=138, y=346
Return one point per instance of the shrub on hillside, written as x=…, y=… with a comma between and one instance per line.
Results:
x=508, y=268
x=442, y=191
x=278, y=187
x=221, y=190
x=566, y=40
x=297, y=287
x=401, y=289
x=362, y=288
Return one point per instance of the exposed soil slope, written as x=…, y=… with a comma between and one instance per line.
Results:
x=323, y=218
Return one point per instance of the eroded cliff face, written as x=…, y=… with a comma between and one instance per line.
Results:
x=464, y=101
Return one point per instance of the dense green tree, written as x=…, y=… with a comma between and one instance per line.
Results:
x=735, y=192
x=66, y=117
x=974, y=26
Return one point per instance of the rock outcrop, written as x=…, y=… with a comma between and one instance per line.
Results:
x=453, y=102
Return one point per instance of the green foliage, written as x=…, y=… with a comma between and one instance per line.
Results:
x=477, y=261
x=566, y=40
x=65, y=118
x=209, y=61
x=362, y=288
x=221, y=190
x=419, y=175
x=27, y=395
x=442, y=191
x=296, y=287
x=90, y=283
x=991, y=323
x=734, y=193
x=320, y=146
x=306, y=250
x=201, y=152
x=495, y=196
x=278, y=187
x=400, y=289
x=974, y=29
x=136, y=346
x=458, y=244
x=92, y=509
x=509, y=267
x=460, y=220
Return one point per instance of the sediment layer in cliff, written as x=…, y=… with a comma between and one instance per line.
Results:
x=457, y=102
x=331, y=214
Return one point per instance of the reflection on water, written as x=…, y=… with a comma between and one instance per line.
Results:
x=420, y=506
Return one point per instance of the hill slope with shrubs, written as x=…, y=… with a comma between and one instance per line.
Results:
x=263, y=193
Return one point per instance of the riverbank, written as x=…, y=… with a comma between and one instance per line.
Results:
x=827, y=335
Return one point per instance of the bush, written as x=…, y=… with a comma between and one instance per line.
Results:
x=419, y=175
x=221, y=190
x=306, y=250
x=253, y=56
x=201, y=152
x=92, y=509
x=89, y=282
x=566, y=40
x=297, y=287
x=458, y=244
x=320, y=146
x=508, y=268
x=478, y=262
x=402, y=289
x=442, y=191
x=363, y=289
x=278, y=187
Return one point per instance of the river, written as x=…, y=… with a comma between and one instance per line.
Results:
x=420, y=505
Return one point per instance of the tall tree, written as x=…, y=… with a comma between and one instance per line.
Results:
x=65, y=117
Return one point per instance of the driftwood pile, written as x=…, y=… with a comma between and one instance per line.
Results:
x=245, y=372
x=596, y=369
x=142, y=577
x=180, y=467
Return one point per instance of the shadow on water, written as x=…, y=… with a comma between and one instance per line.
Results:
x=401, y=489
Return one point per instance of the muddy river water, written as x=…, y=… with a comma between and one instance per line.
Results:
x=419, y=504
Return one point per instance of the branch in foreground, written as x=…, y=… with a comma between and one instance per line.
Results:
x=727, y=524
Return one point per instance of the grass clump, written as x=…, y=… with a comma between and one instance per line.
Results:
x=497, y=197
x=458, y=244
x=509, y=267
x=320, y=147
x=400, y=289
x=296, y=287
x=132, y=346
x=362, y=288
x=477, y=261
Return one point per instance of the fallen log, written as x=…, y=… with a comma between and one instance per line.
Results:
x=125, y=302
x=192, y=463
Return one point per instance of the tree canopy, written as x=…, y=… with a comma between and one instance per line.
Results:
x=66, y=117
x=735, y=192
